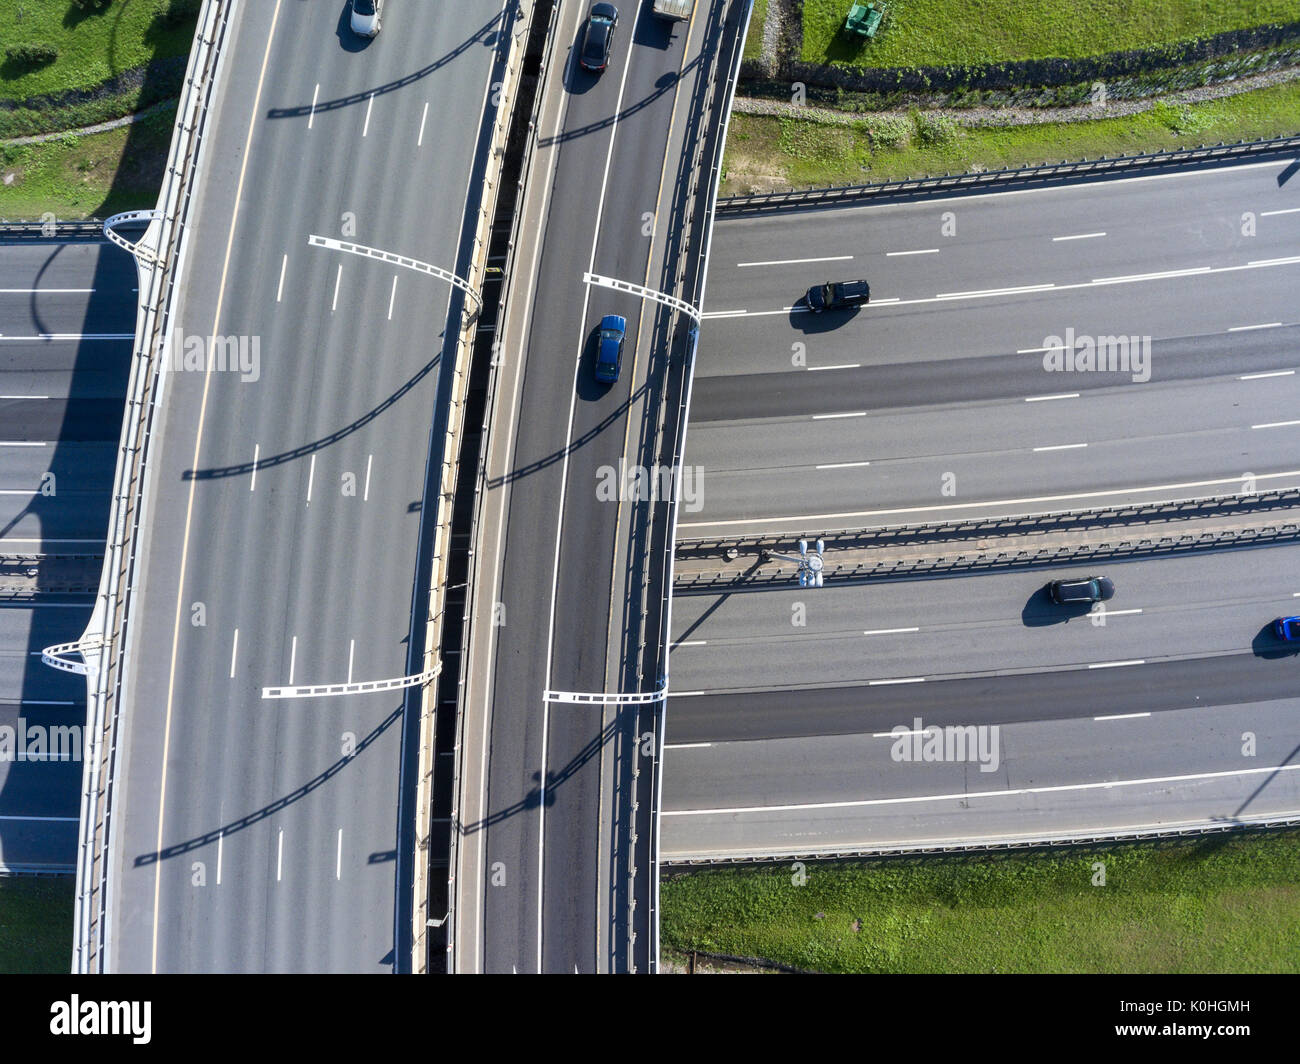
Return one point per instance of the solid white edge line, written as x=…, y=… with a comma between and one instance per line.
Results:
x=920, y=251
x=963, y=796
x=1116, y=664
x=1122, y=716
x=1045, y=398
x=1247, y=328
x=1275, y=425
x=843, y=465
x=1261, y=376
x=1062, y=447
x=1077, y=236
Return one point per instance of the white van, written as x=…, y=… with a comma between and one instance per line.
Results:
x=676, y=10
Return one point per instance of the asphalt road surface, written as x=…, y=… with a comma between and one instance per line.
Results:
x=284, y=519
x=67, y=315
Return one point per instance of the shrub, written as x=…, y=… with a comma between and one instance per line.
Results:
x=888, y=131
x=31, y=54
x=932, y=130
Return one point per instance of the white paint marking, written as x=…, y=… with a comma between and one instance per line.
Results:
x=843, y=465
x=369, y=106
x=1270, y=214
x=1122, y=716
x=692, y=643
x=1247, y=328
x=234, y=653
x=831, y=417
x=1261, y=376
x=279, y=856
x=963, y=796
x=1062, y=447
x=1116, y=664
x=1275, y=425
x=293, y=658
x=338, y=858
x=419, y=141
x=885, y=683
x=846, y=365
x=314, y=97
x=1077, y=236
x=1046, y=398
x=284, y=263
x=889, y=631
x=795, y=262
x=337, y=278
x=392, y=296
x=257, y=451
x=687, y=746
x=352, y=649
x=311, y=478
x=922, y=251
x=986, y=293
x=221, y=846
x=365, y=495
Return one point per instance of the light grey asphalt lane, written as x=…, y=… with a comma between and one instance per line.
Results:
x=304, y=528
x=988, y=623
x=1181, y=767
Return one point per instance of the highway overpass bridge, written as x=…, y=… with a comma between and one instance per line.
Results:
x=265, y=641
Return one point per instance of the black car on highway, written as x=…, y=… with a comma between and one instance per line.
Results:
x=837, y=294
x=598, y=39
x=1089, y=589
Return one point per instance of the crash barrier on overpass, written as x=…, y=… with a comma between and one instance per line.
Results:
x=504, y=95
x=990, y=180
x=972, y=545
x=1094, y=837
x=34, y=574
x=51, y=230
x=160, y=256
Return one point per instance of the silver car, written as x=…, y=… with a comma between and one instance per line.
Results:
x=366, y=16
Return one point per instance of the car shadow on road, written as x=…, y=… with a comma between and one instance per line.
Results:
x=1040, y=610
x=810, y=324
x=1266, y=644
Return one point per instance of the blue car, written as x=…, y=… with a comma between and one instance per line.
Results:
x=609, y=355
x=1287, y=628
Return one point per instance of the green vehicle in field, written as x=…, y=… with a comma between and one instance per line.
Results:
x=864, y=19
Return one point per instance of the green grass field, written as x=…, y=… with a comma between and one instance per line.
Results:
x=765, y=153
x=87, y=177
x=1228, y=903
x=754, y=41
x=93, y=46
x=35, y=925
x=942, y=32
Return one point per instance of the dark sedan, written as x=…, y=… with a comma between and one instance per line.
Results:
x=837, y=294
x=598, y=38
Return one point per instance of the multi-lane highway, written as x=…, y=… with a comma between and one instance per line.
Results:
x=552, y=839
x=935, y=403
x=284, y=508
x=67, y=310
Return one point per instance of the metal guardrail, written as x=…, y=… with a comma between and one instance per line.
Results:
x=988, y=560
x=480, y=481
x=104, y=643
x=1106, y=166
x=1029, y=842
x=969, y=528
x=90, y=229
